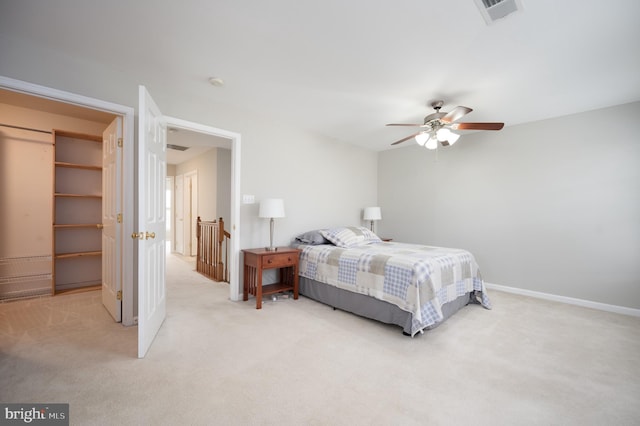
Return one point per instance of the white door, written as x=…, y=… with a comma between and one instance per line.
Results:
x=179, y=203
x=152, y=170
x=111, y=226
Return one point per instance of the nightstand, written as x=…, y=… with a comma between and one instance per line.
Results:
x=257, y=260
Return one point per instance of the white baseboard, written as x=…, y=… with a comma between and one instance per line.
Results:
x=563, y=299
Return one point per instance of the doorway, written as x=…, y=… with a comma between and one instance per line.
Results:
x=199, y=166
x=204, y=138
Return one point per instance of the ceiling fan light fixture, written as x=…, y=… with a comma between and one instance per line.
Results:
x=443, y=134
x=453, y=137
x=432, y=143
x=422, y=138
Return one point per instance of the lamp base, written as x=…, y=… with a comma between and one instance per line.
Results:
x=271, y=247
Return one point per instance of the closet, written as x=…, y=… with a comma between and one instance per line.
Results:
x=51, y=200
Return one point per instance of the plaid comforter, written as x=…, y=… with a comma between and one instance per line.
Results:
x=418, y=279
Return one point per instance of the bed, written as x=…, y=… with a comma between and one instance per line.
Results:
x=416, y=287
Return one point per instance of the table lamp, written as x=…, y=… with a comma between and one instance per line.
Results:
x=271, y=208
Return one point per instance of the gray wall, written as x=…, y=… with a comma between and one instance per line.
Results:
x=551, y=206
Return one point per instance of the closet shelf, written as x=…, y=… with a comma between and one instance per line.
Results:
x=58, y=194
x=77, y=254
x=76, y=225
x=77, y=166
x=77, y=212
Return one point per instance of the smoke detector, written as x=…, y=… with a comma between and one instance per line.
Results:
x=216, y=81
x=492, y=10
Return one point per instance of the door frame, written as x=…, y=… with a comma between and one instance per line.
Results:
x=128, y=122
x=171, y=217
x=193, y=199
x=234, y=228
x=178, y=203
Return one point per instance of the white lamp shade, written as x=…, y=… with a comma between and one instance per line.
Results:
x=421, y=138
x=453, y=137
x=372, y=213
x=271, y=207
x=443, y=134
x=432, y=144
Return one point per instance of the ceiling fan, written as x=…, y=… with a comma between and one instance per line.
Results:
x=438, y=125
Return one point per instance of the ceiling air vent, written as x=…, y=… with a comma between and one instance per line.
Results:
x=177, y=147
x=492, y=10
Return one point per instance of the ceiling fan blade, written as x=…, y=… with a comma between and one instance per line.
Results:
x=477, y=126
x=405, y=139
x=445, y=143
x=456, y=114
x=404, y=124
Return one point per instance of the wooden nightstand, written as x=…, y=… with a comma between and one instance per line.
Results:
x=257, y=260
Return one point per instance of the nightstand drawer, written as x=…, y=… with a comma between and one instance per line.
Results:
x=279, y=260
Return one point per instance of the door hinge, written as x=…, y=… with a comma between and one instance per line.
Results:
x=119, y=218
x=119, y=295
x=120, y=142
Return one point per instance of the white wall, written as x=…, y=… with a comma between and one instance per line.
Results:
x=205, y=165
x=323, y=183
x=552, y=206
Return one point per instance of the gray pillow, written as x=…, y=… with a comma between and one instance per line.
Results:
x=312, y=238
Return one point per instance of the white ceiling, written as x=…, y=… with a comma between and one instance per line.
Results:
x=346, y=68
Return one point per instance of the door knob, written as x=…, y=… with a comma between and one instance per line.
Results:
x=99, y=226
x=148, y=235
x=137, y=236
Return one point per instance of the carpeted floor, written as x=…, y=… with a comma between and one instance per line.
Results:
x=216, y=362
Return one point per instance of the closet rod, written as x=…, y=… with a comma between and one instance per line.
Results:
x=26, y=128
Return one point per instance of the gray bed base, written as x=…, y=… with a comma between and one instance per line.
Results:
x=368, y=307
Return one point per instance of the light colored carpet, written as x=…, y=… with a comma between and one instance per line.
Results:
x=526, y=362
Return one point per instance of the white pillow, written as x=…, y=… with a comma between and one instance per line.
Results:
x=350, y=236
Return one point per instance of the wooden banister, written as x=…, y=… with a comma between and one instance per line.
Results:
x=212, y=239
